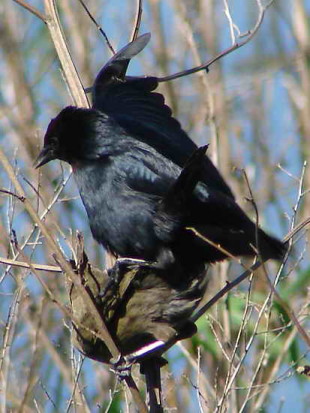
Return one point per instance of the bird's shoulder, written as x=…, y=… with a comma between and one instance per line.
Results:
x=143, y=169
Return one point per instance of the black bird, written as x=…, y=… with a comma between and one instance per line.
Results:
x=126, y=153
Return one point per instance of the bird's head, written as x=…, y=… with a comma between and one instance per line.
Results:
x=68, y=135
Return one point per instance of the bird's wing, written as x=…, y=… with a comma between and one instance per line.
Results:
x=147, y=175
x=133, y=104
x=145, y=116
x=115, y=69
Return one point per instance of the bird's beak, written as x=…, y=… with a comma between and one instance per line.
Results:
x=46, y=155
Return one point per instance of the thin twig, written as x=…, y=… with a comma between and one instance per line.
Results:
x=98, y=26
x=60, y=259
x=7, y=341
x=237, y=45
x=215, y=245
x=288, y=238
x=243, y=276
x=276, y=366
x=21, y=264
x=199, y=396
x=32, y=10
x=254, y=205
x=42, y=217
x=206, y=385
x=50, y=349
x=136, y=28
x=4, y=191
x=232, y=26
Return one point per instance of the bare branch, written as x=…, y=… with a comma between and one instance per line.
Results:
x=237, y=45
x=71, y=74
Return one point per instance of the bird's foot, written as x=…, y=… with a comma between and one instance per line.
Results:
x=121, y=368
x=121, y=268
x=123, y=264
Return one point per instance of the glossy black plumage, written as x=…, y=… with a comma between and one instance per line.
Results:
x=127, y=153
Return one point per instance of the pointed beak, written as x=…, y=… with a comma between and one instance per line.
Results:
x=46, y=155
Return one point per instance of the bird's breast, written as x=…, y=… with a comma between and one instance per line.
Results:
x=120, y=219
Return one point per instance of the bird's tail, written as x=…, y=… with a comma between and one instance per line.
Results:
x=176, y=200
x=217, y=243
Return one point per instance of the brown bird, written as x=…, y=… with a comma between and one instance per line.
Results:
x=142, y=307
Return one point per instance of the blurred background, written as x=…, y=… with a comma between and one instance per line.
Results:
x=253, y=107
